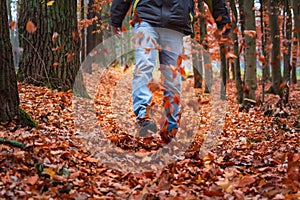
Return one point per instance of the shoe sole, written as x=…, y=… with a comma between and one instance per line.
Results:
x=147, y=130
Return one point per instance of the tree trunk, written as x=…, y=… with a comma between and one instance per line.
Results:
x=223, y=71
x=198, y=53
x=264, y=40
x=51, y=53
x=295, y=52
x=288, y=48
x=83, y=35
x=275, y=52
x=287, y=43
x=296, y=9
x=94, y=32
x=9, y=96
x=197, y=68
x=250, y=51
x=237, y=67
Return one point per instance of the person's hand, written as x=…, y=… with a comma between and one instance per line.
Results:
x=117, y=31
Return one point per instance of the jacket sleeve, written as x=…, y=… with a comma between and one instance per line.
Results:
x=118, y=10
x=219, y=9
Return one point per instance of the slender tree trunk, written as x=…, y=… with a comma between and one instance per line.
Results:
x=287, y=43
x=9, y=96
x=275, y=53
x=51, y=52
x=288, y=48
x=94, y=32
x=223, y=70
x=264, y=39
x=83, y=35
x=250, y=51
x=296, y=9
x=237, y=67
x=294, y=58
x=197, y=68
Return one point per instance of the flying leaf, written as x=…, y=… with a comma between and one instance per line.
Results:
x=30, y=27
x=262, y=59
x=12, y=25
x=54, y=36
x=50, y=3
x=250, y=33
x=230, y=55
x=219, y=18
x=70, y=55
x=55, y=64
x=155, y=86
x=58, y=48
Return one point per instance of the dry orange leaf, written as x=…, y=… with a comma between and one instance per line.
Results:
x=246, y=180
x=219, y=18
x=54, y=36
x=70, y=55
x=176, y=99
x=250, y=33
x=58, y=48
x=155, y=86
x=75, y=35
x=123, y=28
x=55, y=64
x=32, y=180
x=236, y=30
x=30, y=27
x=126, y=68
x=262, y=59
x=230, y=55
x=12, y=25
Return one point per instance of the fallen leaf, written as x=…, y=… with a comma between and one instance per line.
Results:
x=32, y=180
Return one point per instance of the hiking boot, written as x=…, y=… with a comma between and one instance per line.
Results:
x=146, y=128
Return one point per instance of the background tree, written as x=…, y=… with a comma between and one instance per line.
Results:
x=250, y=50
x=48, y=33
x=287, y=45
x=9, y=96
x=237, y=67
x=265, y=35
x=296, y=9
x=275, y=52
x=296, y=43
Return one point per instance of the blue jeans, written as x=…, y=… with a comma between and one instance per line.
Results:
x=171, y=43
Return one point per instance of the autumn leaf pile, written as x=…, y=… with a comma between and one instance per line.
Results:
x=257, y=155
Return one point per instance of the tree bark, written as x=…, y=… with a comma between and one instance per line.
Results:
x=288, y=48
x=237, y=67
x=51, y=53
x=296, y=9
x=94, y=32
x=9, y=96
x=250, y=51
x=275, y=52
x=295, y=52
x=223, y=71
x=83, y=35
x=287, y=43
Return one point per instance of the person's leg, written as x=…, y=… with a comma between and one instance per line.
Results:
x=145, y=62
x=172, y=43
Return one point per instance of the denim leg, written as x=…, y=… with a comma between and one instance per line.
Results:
x=145, y=62
x=168, y=56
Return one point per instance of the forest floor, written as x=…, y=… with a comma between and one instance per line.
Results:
x=256, y=155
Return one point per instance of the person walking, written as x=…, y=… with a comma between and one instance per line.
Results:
x=163, y=22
